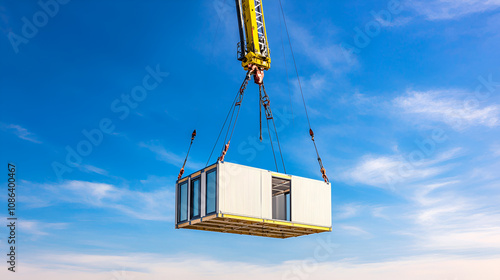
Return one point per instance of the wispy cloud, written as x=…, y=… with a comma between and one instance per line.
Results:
x=40, y=228
x=397, y=22
x=355, y=230
x=451, y=9
x=20, y=132
x=457, y=214
x=93, y=169
x=445, y=106
x=162, y=153
x=327, y=56
x=155, y=267
x=387, y=171
x=457, y=220
x=379, y=212
x=347, y=211
x=154, y=205
x=169, y=157
x=495, y=149
x=34, y=229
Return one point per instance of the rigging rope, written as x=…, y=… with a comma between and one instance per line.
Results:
x=295, y=63
x=212, y=51
x=322, y=169
x=272, y=146
x=269, y=115
x=193, y=135
x=237, y=103
x=286, y=71
x=222, y=128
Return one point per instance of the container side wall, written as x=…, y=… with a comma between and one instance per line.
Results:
x=242, y=190
x=221, y=190
x=311, y=202
x=176, y=204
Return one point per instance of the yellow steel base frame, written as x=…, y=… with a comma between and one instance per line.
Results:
x=252, y=226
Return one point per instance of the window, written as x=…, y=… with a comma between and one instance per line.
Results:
x=281, y=191
x=195, y=198
x=211, y=192
x=288, y=210
x=183, y=202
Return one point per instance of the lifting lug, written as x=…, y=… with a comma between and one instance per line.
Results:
x=193, y=135
x=221, y=158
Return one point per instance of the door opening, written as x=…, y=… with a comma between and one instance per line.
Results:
x=281, y=192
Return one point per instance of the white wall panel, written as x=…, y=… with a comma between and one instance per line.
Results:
x=311, y=202
x=242, y=190
x=221, y=187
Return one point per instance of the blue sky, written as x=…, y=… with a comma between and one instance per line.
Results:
x=403, y=97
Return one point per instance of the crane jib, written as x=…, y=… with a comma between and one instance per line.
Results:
x=253, y=48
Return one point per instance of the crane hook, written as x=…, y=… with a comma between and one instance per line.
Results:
x=258, y=73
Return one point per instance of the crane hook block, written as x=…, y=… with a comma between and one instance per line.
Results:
x=258, y=77
x=258, y=73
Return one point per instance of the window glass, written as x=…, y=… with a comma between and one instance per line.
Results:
x=183, y=202
x=287, y=201
x=195, y=198
x=211, y=191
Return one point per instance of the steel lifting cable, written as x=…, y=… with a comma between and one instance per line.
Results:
x=237, y=103
x=260, y=115
x=222, y=128
x=286, y=72
x=272, y=146
x=225, y=147
x=212, y=52
x=193, y=135
x=270, y=113
x=311, y=133
x=264, y=101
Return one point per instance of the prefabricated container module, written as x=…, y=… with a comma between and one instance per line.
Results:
x=233, y=198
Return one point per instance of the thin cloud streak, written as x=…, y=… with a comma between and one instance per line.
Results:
x=79, y=267
x=388, y=171
x=451, y=9
x=157, y=205
x=169, y=157
x=442, y=107
x=20, y=132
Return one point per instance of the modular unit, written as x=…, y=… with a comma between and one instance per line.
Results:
x=233, y=198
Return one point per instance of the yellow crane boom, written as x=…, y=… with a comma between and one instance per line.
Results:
x=253, y=48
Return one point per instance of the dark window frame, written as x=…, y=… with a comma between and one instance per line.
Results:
x=191, y=193
x=206, y=191
x=179, y=203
